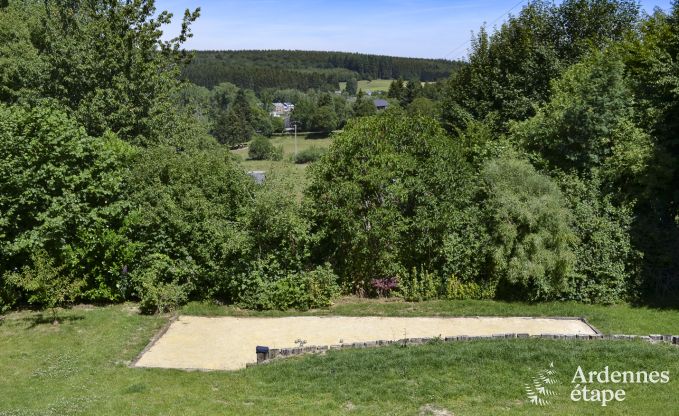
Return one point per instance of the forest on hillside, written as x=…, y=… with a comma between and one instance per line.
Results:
x=546, y=168
x=305, y=70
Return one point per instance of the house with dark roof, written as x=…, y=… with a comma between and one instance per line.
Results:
x=381, y=104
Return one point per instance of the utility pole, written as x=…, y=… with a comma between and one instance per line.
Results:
x=295, y=124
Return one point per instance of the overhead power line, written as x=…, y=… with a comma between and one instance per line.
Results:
x=465, y=43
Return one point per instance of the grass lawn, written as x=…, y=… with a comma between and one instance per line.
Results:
x=287, y=141
x=80, y=367
x=286, y=166
x=374, y=85
x=615, y=319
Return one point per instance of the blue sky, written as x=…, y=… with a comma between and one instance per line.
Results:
x=417, y=28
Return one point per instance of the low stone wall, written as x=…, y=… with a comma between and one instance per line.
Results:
x=266, y=355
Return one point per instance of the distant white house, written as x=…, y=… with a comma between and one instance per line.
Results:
x=282, y=109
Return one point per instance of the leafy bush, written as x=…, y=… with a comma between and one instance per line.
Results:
x=422, y=106
x=607, y=265
x=420, y=285
x=459, y=290
x=306, y=290
x=277, y=124
x=530, y=228
x=465, y=246
x=46, y=283
x=303, y=290
x=62, y=192
x=9, y=295
x=310, y=154
x=275, y=247
x=277, y=232
x=261, y=148
x=163, y=284
x=186, y=207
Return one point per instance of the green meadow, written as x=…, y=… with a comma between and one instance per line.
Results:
x=374, y=85
x=80, y=367
x=286, y=166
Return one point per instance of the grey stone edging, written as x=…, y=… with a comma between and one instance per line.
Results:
x=153, y=341
x=282, y=353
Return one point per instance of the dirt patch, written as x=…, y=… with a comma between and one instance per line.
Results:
x=431, y=410
x=229, y=343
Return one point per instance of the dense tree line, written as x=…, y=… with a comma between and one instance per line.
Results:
x=230, y=114
x=562, y=167
x=546, y=169
x=582, y=90
x=510, y=70
x=417, y=99
x=113, y=187
x=234, y=115
x=307, y=69
x=209, y=74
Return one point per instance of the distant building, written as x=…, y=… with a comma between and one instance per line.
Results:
x=282, y=109
x=258, y=175
x=381, y=104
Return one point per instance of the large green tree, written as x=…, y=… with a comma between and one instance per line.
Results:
x=385, y=196
x=104, y=60
x=587, y=137
x=652, y=60
x=22, y=68
x=233, y=126
x=589, y=124
x=363, y=106
x=324, y=119
x=62, y=194
x=412, y=91
x=510, y=70
x=231, y=129
x=397, y=89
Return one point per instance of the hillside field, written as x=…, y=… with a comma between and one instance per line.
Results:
x=374, y=85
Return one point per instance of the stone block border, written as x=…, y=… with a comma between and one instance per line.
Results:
x=266, y=355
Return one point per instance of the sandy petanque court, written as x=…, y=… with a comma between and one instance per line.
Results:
x=229, y=343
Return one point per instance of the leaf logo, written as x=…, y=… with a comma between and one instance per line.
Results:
x=538, y=391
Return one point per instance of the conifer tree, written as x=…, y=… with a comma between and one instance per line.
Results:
x=396, y=89
x=351, y=86
x=412, y=90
